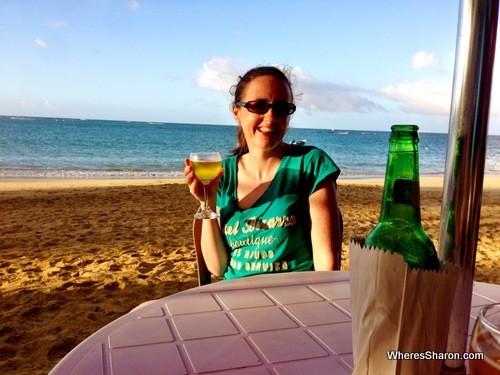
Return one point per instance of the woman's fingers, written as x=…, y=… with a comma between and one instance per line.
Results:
x=194, y=185
x=187, y=167
x=188, y=172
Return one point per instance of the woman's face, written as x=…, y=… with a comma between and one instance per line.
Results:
x=266, y=131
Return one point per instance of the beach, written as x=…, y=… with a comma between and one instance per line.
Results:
x=77, y=254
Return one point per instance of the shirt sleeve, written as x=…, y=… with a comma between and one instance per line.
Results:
x=320, y=166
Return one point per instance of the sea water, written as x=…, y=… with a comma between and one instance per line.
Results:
x=80, y=148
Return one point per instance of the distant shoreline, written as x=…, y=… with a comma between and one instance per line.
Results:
x=21, y=117
x=10, y=184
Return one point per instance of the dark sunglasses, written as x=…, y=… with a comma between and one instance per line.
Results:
x=261, y=107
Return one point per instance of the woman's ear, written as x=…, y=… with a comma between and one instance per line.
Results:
x=236, y=113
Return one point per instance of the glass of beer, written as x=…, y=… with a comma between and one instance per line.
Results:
x=486, y=339
x=206, y=166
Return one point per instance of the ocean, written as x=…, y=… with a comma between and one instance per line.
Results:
x=33, y=147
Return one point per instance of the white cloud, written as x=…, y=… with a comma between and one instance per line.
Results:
x=41, y=43
x=332, y=97
x=27, y=104
x=424, y=97
x=57, y=24
x=427, y=96
x=431, y=97
x=424, y=60
x=219, y=74
x=133, y=5
x=48, y=105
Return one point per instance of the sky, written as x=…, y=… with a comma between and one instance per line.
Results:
x=357, y=64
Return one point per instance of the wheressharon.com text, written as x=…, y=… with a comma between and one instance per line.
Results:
x=431, y=355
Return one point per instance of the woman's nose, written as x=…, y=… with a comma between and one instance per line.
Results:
x=270, y=116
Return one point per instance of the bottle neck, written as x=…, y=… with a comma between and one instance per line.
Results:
x=401, y=201
x=401, y=197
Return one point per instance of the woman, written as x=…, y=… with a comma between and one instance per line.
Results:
x=277, y=201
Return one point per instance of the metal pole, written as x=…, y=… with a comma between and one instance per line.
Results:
x=466, y=153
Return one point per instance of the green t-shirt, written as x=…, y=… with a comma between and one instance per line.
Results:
x=274, y=235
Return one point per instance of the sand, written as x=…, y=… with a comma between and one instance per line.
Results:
x=77, y=254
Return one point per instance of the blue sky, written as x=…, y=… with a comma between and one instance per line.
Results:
x=358, y=64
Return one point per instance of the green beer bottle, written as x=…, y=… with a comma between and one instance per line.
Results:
x=400, y=228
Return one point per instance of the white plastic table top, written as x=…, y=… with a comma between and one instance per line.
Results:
x=291, y=323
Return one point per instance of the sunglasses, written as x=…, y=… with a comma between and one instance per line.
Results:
x=282, y=108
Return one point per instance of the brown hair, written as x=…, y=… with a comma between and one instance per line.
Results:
x=238, y=90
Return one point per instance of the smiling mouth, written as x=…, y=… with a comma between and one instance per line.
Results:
x=267, y=131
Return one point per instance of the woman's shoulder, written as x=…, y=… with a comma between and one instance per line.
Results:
x=311, y=157
x=302, y=150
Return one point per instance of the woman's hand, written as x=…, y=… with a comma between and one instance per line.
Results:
x=207, y=232
x=196, y=186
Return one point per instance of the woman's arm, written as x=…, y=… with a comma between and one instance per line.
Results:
x=325, y=226
x=212, y=246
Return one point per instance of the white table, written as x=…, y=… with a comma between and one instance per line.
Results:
x=292, y=323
